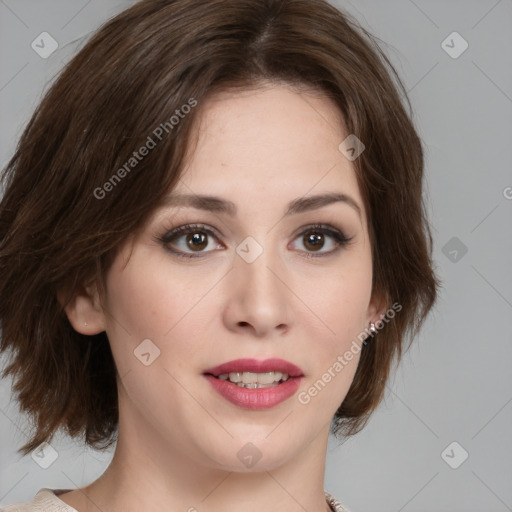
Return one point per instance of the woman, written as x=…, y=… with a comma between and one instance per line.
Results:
x=213, y=248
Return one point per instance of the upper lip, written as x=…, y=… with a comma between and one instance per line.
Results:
x=256, y=366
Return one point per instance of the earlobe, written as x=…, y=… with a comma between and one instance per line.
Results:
x=377, y=308
x=84, y=310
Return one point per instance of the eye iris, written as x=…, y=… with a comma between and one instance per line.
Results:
x=197, y=241
x=315, y=239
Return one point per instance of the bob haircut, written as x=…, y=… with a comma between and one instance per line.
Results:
x=68, y=206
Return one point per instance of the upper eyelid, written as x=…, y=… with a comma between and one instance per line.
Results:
x=190, y=227
x=338, y=235
x=181, y=230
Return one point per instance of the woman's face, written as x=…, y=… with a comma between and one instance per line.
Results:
x=254, y=281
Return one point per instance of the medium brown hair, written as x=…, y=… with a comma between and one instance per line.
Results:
x=131, y=76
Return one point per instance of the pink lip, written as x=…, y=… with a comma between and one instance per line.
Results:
x=255, y=399
x=256, y=366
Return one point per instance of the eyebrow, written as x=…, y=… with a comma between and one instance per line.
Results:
x=219, y=205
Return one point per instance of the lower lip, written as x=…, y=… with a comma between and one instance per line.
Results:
x=255, y=399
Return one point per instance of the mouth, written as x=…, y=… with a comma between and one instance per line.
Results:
x=253, y=371
x=251, y=380
x=244, y=382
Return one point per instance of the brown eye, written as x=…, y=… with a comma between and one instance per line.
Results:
x=314, y=241
x=314, y=238
x=197, y=241
x=192, y=241
x=186, y=240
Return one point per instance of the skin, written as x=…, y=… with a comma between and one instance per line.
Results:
x=178, y=438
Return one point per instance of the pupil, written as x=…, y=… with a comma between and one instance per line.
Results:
x=315, y=240
x=196, y=241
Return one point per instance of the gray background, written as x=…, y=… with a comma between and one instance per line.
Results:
x=455, y=384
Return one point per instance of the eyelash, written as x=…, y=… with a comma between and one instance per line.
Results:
x=339, y=239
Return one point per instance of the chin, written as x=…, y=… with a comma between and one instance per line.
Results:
x=254, y=453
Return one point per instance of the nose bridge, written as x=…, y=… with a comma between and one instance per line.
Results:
x=253, y=264
x=260, y=295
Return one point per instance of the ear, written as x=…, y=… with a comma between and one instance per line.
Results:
x=377, y=307
x=84, y=310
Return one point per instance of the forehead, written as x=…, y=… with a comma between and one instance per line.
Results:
x=271, y=139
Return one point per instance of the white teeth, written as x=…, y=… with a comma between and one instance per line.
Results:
x=253, y=380
x=235, y=377
x=278, y=376
x=268, y=378
x=249, y=378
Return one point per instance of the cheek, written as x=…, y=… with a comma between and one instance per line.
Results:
x=148, y=301
x=342, y=299
x=135, y=303
x=342, y=307
x=144, y=296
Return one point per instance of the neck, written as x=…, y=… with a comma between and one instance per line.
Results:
x=144, y=475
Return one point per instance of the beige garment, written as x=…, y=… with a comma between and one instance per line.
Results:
x=46, y=500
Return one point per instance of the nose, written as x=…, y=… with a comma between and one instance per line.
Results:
x=258, y=297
